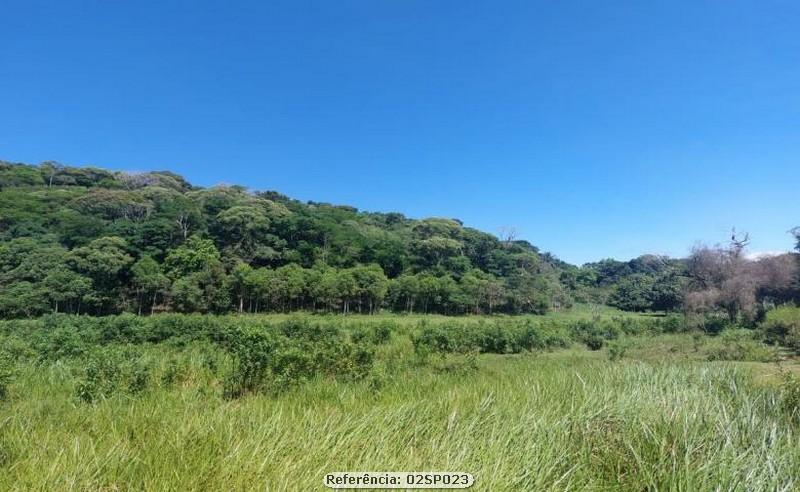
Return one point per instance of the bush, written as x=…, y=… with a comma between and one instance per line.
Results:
x=594, y=333
x=375, y=334
x=6, y=374
x=594, y=342
x=714, y=324
x=102, y=377
x=740, y=345
x=139, y=378
x=176, y=372
x=790, y=395
x=252, y=352
x=264, y=358
x=674, y=323
x=617, y=349
x=782, y=326
x=112, y=369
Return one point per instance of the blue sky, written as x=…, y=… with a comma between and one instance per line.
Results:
x=596, y=129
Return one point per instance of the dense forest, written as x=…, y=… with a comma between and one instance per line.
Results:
x=90, y=241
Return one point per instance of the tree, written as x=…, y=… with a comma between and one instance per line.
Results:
x=66, y=289
x=134, y=236
x=241, y=281
x=105, y=261
x=723, y=278
x=149, y=280
x=195, y=255
x=240, y=227
x=22, y=299
x=371, y=286
x=187, y=295
x=633, y=293
x=404, y=292
x=346, y=287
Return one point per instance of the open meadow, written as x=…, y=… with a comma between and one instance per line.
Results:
x=584, y=400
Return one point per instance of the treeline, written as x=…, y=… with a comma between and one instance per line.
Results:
x=713, y=280
x=92, y=241
x=646, y=283
x=87, y=240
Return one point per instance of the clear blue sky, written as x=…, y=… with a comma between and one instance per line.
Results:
x=597, y=129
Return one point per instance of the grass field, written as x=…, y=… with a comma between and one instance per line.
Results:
x=661, y=417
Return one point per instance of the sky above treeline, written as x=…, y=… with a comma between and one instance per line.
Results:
x=605, y=129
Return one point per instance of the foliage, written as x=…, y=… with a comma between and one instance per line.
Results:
x=618, y=348
x=6, y=373
x=741, y=345
x=782, y=325
x=790, y=395
x=151, y=242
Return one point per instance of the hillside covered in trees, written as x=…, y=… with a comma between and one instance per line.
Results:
x=88, y=240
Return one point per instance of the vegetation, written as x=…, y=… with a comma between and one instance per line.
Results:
x=157, y=336
x=207, y=402
x=85, y=240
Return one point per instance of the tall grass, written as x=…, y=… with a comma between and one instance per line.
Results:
x=547, y=419
x=559, y=421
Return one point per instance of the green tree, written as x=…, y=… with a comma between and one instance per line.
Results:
x=195, y=255
x=149, y=281
x=66, y=289
x=105, y=261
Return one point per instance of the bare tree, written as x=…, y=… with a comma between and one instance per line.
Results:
x=723, y=278
x=738, y=243
x=507, y=234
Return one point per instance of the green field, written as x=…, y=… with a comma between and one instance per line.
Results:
x=661, y=416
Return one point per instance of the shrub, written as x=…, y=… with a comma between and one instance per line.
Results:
x=64, y=342
x=790, y=395
x=6, y=373
x=782, y=326
x=111, y=369
x=594, y=342
x=714, y=324
x=674, y=323
x=376, y=334
x=740, y=345
x=458, y=364
x=617, y=349
x=594, y=333
x=140, y=377
x=252, y=352
x=176, y=372
x=102, y=377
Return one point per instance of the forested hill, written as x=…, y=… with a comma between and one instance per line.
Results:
x=88, y=240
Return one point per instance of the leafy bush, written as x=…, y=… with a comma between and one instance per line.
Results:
x=617, y=349
x=714, y=324
x=252, y=352
x=740, y=345
x=594, y=333
x=790, y=395
x=176, y=372
x=782, y=326
x=6, y=373
x=594, y=342
x=139, y=378
x=458, y=364
x=299, y=350
x=674, y=323
x=102, y=377
x=378, y=334
x=112, y=369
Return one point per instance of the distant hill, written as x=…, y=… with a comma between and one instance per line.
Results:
x=84, y=239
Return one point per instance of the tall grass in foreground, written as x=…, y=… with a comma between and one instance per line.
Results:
x=558, y=421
